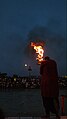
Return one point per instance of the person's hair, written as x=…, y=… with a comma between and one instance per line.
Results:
x=47, y=58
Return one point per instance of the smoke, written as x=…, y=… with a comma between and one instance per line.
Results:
x=51, y=34
x=43, y=34
x=37, y=34
x=54, y=39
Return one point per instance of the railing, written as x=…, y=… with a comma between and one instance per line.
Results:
x=62, y=104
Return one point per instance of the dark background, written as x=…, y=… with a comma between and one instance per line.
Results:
x=22, y=21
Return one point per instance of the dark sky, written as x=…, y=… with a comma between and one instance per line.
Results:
x=22, y=21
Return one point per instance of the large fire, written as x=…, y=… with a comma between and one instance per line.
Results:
x=38, y=47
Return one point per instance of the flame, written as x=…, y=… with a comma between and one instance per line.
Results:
x=38, y=47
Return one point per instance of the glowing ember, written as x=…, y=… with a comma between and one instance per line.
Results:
x=38, y=47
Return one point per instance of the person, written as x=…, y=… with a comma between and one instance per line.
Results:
x=49, y=86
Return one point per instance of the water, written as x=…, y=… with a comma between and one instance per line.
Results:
x=26, y=102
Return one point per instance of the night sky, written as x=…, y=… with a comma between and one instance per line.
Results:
x=22, y=21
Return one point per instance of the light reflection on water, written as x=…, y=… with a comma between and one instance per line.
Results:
x=24, y=102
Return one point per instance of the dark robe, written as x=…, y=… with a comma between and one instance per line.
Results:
x=49, y=86
x=49, y=79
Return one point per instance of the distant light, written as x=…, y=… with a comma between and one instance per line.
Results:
x=65, y=76
x=14, y=79
x=25, y=65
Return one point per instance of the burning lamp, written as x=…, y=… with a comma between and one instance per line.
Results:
x=38, y=47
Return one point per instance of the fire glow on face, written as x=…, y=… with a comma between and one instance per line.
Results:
x=38, y=47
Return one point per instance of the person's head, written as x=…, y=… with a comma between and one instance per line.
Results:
x=47, y=58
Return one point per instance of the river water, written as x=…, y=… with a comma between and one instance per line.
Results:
x=25, y=102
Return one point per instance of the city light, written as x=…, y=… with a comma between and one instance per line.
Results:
x=25, y=65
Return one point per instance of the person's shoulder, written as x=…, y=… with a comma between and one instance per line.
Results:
x=52, y=61
x=43, y=62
